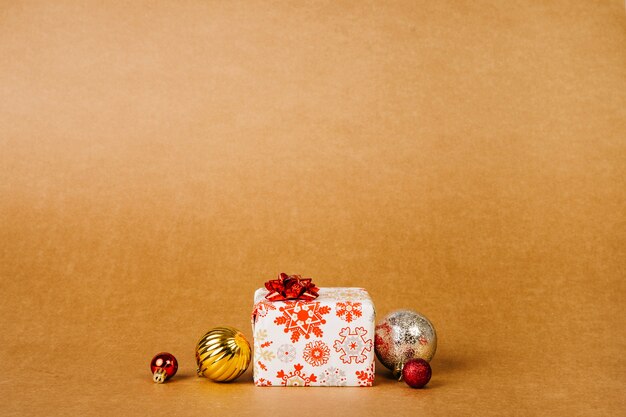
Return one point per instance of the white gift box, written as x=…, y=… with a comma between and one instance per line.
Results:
x=328, y=341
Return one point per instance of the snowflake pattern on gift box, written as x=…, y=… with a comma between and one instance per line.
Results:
x=366, y=377
x=347, y=294
x=261, y=349
x=296, y=378
x=347, y=310
x=286, y=353
x=261, y=345
x=353, y=345
x=332, y=377
x=302, y=319
x=262, y=382
x=262, y=308
x=316, y=353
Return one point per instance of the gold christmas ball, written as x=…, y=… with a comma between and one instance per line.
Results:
x=222, y=354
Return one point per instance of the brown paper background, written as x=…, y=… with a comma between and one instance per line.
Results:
x=160, y=160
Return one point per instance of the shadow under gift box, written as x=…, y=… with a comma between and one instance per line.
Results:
x=328, y=341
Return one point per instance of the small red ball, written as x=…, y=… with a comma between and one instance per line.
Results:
x=163, y=366
x=416, y=373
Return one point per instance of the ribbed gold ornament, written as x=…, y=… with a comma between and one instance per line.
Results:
x=222, y=354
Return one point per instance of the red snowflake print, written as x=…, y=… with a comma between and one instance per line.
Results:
x=302, y=319
x=316, y=353
x=353, y=345
x=366, y=377
x=261, y=308
x=262, y=382
x=347, y=310
x=296, y=378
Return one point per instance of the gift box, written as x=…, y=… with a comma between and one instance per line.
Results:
x=322, y=341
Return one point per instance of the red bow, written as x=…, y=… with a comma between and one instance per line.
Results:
x=291, y=287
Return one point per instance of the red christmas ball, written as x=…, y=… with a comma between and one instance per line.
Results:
x=163, y=366
x=416, y=373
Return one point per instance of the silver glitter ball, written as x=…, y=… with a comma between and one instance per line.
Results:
x=404, y=335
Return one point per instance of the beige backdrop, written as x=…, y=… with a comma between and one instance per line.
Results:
x=160, y=160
